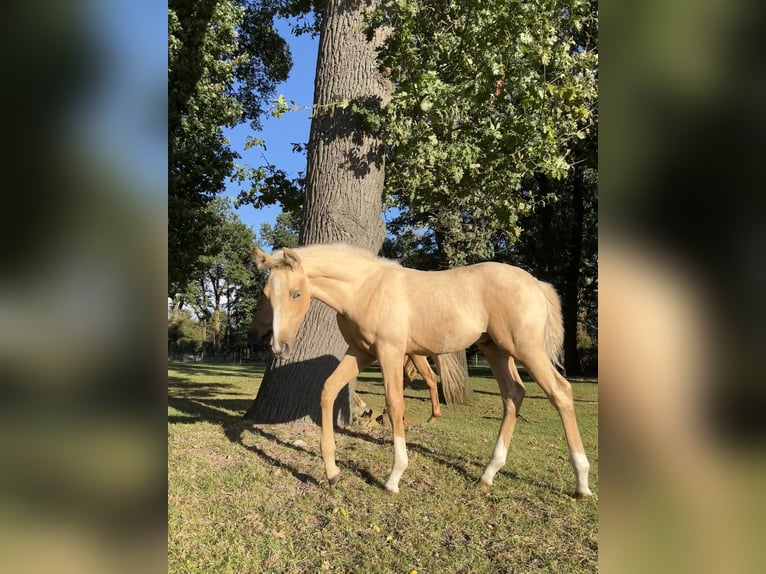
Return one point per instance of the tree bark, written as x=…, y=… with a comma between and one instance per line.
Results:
x=344, y=185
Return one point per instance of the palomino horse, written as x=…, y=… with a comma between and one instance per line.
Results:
x=386, y=311
x=261, y=326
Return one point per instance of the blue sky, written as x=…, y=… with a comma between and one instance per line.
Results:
x=120, y=119
x=280, y=134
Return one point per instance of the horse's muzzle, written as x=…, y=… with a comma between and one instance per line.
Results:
x=281, y=350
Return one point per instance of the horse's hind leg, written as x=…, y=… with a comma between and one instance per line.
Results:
x=422, y=366
x=347, y=369
x=512, y=390
x=559, y=391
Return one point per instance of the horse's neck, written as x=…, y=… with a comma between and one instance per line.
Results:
x=336, y=280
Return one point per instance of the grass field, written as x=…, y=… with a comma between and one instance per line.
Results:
x=244, y=499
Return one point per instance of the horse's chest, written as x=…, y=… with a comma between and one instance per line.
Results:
x=355, y=333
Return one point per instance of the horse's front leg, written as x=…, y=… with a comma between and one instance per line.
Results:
x=352, y=363
x=392, y=363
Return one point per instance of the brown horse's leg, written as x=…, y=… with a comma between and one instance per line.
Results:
x=392, y=362
x=421, y=364
x=349, y=367
x=559, y=391
x=512, y=390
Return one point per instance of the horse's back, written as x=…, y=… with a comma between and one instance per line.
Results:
x=447, y=310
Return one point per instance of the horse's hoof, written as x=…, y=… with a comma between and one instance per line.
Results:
x=583, y=495
x=432, y=420
x=334, y=480
x=482, y=483
x=392, y=489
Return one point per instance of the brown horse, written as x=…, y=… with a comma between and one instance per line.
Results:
x=386, y=311
x=261, y=325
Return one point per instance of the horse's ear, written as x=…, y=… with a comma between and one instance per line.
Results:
x=262, y=259
x=292, y=259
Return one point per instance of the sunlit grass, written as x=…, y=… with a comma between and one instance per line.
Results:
x=255, y=500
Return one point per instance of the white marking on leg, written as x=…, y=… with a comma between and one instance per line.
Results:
x=581, y=467
x=499, y=457
x=401, y=461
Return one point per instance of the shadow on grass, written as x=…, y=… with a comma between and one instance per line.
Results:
x=215, y=370
x=532, y=397
x=424, y=450
x=199, y=402
x=236, y=431
x=460, y=467
x=233, y=427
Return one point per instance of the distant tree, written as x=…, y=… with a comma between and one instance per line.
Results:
x=224, y=287
x=409, y=247
x=284, y=233
x=184, y=334
x=560, y=244
x=224, y=60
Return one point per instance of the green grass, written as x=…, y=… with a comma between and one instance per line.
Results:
x=244, y=499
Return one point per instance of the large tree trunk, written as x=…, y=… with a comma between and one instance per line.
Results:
x=344, y=185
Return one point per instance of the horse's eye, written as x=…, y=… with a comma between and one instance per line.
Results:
x=296, y=294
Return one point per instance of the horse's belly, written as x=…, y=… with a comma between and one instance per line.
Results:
x=445, y=341
x=438, y=331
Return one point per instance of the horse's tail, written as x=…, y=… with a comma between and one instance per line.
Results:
x=410, y=371
x=554, y=324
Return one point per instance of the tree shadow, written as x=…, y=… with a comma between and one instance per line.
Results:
x=214, y=370
x=235, y=432
x=293, y=393
x=533, y=397
x=198, y=405
x=202, y=402
x=180, y=387
x=199, y=402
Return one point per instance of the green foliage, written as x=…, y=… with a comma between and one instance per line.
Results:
x=224, y=59
x=224, y=288
x=486, y=94
x=270, y=185
x=284, y=233
x=184, y=334
x=412, y=248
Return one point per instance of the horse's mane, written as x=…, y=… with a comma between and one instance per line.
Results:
x=329, y=250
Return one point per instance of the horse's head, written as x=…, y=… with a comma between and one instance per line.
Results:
x=288, y=292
